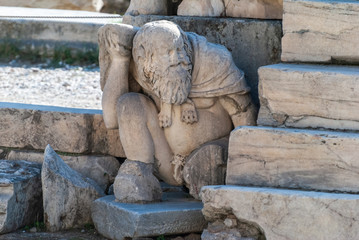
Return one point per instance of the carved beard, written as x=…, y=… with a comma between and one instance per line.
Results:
x=174, y=84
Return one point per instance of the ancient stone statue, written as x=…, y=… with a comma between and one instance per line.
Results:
x=168, y=92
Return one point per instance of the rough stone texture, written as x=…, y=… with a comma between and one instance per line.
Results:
x=321, y=31
x=292, y=158
x=66, y=129
x=105, y=141
x=67, y=195
x=287, y=214
x=314, y=96
x=210, y=8
x=101, y=169
x=85, y=5
x=46, y=35
x=111, y=6
x=119, y=220
x=253, y=43
x=27, y=128
x=135, y=182
x=148, y=7
x=20, y=194
x=265, y=9
x=206, y=166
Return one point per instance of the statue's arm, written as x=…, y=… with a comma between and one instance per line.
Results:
x=115, y=46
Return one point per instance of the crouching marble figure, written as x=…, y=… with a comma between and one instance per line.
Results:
x=168, y=92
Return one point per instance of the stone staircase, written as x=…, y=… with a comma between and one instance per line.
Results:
x=298, y=171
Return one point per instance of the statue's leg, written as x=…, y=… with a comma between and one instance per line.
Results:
x=146, y=149
x=241, y=109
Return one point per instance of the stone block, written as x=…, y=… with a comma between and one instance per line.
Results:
x=309, y=96
x=66, y=129
x=253, y=43
x=320, y=31
x=35, y=128
x=105, y=141
x=67, y=195
x=20, y=194
x=83, y=5
x=264, y=9
x=286, y=214
x=120, y=221
x=101, y=169
x=293, y=158
x=203, y=8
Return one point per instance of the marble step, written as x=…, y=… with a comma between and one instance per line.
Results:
x=293, y=158
x=285, y=214
x=321, y=31
x=309, y=96
x=20, y=194
x=122, y=221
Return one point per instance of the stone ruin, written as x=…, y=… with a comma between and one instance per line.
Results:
x=172, y=95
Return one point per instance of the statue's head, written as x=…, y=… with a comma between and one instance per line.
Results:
x=163, y=57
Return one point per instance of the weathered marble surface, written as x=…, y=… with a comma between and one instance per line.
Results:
x=101, y=169
x=67, y=195
x=252, y=43
x=208, y=8
x=84, y=5
x=121, y=221
x=20, y=194
x=309, y=96
x=148, y=7
x=293, y=158
x=320, y=31
x=206, y=166
x=286, y=214
x=66, y=129
x=264, y=9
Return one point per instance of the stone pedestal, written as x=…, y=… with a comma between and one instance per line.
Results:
x=120, y=221
x=20, y=194
x=285, y=214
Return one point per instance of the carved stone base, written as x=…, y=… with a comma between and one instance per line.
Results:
x=122, y=220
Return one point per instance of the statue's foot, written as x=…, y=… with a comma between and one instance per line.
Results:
x=135, y=183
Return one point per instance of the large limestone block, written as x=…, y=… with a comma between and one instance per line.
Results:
x=265, y=9
x=85, y=5
x=286, y=214
x=66, y=129
x=122, y=221
x=31, y=128
x=67, y=195
x=101, y=169
x=209, y=8
x=320, y=31
x=20, y=194
x=293, y=158
x=309, y=96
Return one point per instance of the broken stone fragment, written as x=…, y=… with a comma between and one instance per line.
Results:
x=67, y=195
x=20, y=194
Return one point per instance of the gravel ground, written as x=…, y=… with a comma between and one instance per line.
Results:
x=69, y=86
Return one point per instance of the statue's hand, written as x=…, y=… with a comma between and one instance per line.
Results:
x=115, y=48
x=165, y=115
x=189, y=112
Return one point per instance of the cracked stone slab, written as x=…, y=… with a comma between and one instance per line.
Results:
x=320, y=31
x=293, y=158
x=20, y=194
x=121, y=221
x=101, y=169
x=309, y=96
x=68, y=130
x=286, y=214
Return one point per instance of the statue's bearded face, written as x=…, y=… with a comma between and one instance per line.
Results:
x=165, y=63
